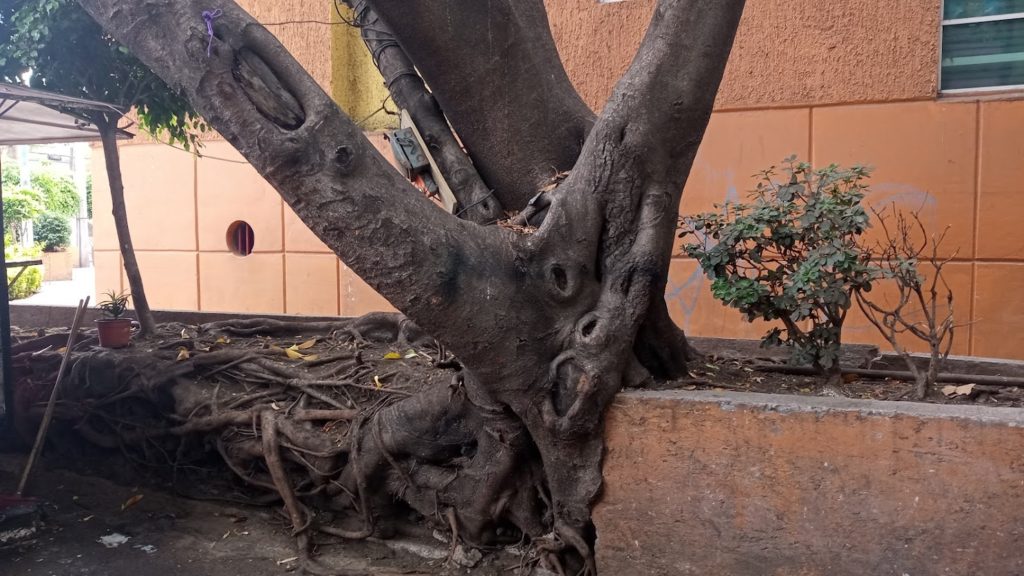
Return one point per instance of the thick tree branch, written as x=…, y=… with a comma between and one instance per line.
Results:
x=427, y=263
x=604, y=248
x=476, y=201
x=644, y=146
x=524, y=121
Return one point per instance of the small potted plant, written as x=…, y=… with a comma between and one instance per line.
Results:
x=114, y=331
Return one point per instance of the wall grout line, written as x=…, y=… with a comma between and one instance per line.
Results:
x=337, y=284
x=284, y=282
x=977, y=228
x=195, y=228
x=284, y=259
x=810, y=135
x=795, y=105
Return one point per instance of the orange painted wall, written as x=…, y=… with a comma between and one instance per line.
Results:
x=787, y=52
x=848, y=82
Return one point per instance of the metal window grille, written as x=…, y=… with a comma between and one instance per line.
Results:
x=982, y=45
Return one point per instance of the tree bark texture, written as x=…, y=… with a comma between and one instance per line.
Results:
x=111, y=156
x=548, y=322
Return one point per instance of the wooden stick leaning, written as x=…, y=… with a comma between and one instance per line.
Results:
x=48, y=415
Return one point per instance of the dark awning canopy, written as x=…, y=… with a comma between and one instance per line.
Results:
x=29, y=116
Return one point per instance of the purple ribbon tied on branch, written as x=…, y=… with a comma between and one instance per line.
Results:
x=208, y=17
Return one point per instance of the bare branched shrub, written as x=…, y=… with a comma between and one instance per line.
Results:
x=918, y=309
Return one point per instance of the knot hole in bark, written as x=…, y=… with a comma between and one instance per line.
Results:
x=343, y=157
x=571, y=385
x=271, y=98
x=587, y=325
x=563, y=283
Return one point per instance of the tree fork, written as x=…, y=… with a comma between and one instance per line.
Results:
x=544, y=321
x=523, y=122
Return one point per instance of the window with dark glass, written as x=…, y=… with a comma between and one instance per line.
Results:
x=982, y=45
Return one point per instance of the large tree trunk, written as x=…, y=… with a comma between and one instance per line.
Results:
x=549, y=321
x=107, y=127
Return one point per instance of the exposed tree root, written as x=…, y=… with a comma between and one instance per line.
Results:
x=348, y=439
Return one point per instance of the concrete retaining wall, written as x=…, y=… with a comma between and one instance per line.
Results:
x=746, y=484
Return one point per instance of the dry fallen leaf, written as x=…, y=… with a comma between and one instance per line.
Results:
x=310, y=357
x=182, y=354
x=223, y=340
x=392, y=356
x=131, y=502
x=377, y=382
x=307, y=344
x=964, y=390
x=293, y=354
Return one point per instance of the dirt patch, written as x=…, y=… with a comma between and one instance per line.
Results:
x=744, y=366
x=88, y=530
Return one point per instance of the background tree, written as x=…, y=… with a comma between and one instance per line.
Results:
x=70, y=54
x=550, y=313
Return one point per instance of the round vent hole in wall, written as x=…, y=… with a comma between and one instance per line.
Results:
x=241, y=238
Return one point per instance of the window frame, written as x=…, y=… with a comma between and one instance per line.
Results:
x=943, y=22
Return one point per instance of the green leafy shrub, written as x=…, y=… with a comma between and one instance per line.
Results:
x=790, y=254
x=53, y=232
x=31, y=280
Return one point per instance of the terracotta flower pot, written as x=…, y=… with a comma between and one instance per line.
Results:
x=114, y=332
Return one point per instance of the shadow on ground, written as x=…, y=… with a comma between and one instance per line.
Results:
x=171, y=535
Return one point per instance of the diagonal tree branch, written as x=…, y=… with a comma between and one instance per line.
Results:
x=525, y=121
x=476, y=201
x=427, y=263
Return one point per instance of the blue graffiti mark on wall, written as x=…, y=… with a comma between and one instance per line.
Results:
x=683, y=296
x=905, y=197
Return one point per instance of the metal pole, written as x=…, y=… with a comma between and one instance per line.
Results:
x=5, y=331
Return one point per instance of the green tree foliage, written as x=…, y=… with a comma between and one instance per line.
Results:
x=11, y=176
x=70, y=54
x=20, y=205
x=791, y=254
x=58, y=192
x=53, y=232
x=88, y=196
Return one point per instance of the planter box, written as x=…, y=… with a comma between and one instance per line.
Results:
x=58, y=265
x=755, y=484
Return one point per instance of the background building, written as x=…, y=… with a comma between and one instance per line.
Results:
x=935, y=105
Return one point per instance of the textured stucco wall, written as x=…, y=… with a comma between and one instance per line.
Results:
x=309, y=42
x=358, y=86
x=787, y=52
x=699, y=483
